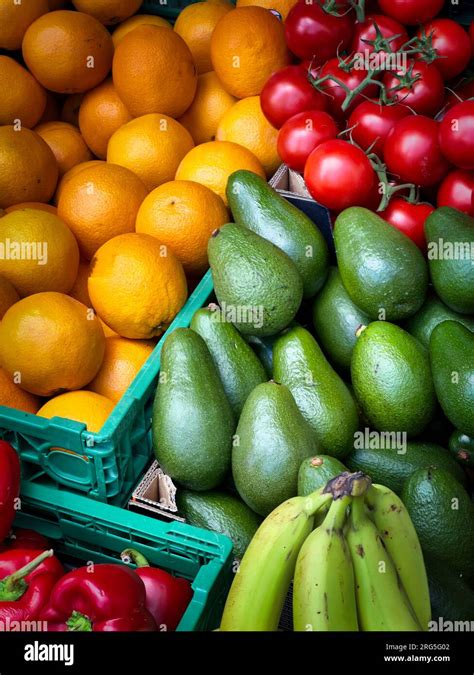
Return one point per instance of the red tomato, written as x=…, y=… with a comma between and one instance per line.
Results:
x=425, y=96
x=339, y=175
x=471, y=35
x=411, y=12
x=452, y=44
x=456, y=135
x=352, y=79
x=412, y=151
x=301, y=134
x=391, y=30
x=408, y=218
x=457, y=190
x=287, y=93
x=372, y=123
x=312, y=33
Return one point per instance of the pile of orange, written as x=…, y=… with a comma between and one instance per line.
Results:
x=118, y=132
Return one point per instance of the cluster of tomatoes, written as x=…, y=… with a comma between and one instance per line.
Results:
x=380, y=110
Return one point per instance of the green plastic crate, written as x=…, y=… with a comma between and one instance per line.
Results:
x=107, y=465
x=83, y=531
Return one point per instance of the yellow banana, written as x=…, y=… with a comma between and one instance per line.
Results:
x=401, y=541
x=323, y=587
x=260, y=586
x=382, y=604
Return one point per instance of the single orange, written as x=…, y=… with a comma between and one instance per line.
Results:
x=66, y=143
x=28, y=168
x=246, y=125
x=212, y=163
x=13, y=396
x=44, y=338
x=15, y=17
x=247, y=46
x=108, y=12
x=23, y=98
x=135, y=21
x=195, y=24
x=101, y=113
x=99, y=203
x=152, y=146
x=68, y=52
x=182, y=214
x=33, y=205
x=71, y=173
x=202, y=117
x=87, y=407
x=137, y=286
x=42, y=255
x=122, y=361
x=154, y=72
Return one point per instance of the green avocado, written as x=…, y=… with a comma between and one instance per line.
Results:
x=316, y=471
x=193, y=424
x=260, y=208
x=257, y=285
x=462, y=448
x=452, y=363
x=320, y=394
x=450, y=238
x=271, y=441
x=443, y=516
x=236, y=362
x=383, y=271
x=336, y=319
x=392, y=379
x=433, y=312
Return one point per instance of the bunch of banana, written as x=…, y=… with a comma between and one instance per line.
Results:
x=361, y=568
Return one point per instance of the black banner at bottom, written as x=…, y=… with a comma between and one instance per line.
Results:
x=23, y=653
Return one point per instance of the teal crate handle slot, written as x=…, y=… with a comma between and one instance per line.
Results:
x=67, y=468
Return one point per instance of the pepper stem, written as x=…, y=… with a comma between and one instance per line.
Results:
x=14, y=586
x=131, y=555
x=79, y=622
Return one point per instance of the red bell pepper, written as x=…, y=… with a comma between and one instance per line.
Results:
x=100, y=598
x=9, y=487
x=20, y=538
x=27, y=580
x=166, y=596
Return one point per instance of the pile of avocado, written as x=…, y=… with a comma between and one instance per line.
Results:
x=302, y=370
